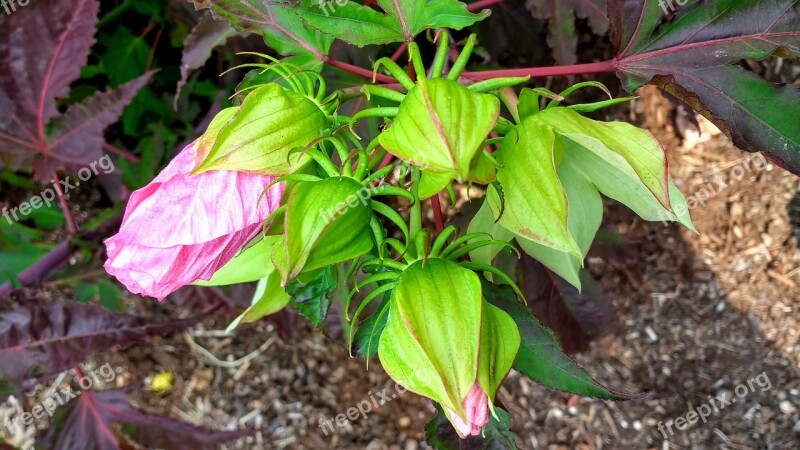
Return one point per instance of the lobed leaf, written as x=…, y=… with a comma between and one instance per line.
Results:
x=560, y=15
x=282, y=29
x=41, y=338
x=90, y=425
x=696, y=56
x=312, y=299
x=400, y=21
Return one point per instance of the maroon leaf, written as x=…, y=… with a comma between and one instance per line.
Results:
x=42, y=49
x=90, y=425
x=198, y=45
x=575, y=318
x=696, y=57
x=40, y=338
x=77, y=139
x=560, y=16
x=196, y=298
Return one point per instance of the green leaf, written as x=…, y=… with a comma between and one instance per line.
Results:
x=370, y=331
x=638, y=147
x=270, y=123
x=417, y=348
x=252, y=264
x=614, y=177
x=353, y=23
x=484, y=222
x=109, y=294
x=205, y=143
x=276, y=20
x=312, y=299
x=326, y=222
x=125, y=55
x=17, y=250
x=583, y=221
x=540, y=357
x=402, y=20
x=450, y=14
x=698, y=56
x=48, y=217
x=500, y=341
x=269, y=298
x=431, y=183
x=441, y=126
x=535, y=202
x=85, y=292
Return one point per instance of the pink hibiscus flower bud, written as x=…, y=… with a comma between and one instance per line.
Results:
x=179, y=228
x=476, y=408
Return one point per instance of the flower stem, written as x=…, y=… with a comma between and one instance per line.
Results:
x=539, y=72
x=482, y=4
x=358, y=71
x=437, y=213
x=62, y=201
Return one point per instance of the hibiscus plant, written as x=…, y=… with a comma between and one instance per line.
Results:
x=320, y=194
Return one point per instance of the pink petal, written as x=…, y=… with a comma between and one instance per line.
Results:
x=476, y=408
x=182, y=228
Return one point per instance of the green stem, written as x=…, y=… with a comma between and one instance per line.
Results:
x=415, y=219
x=115, y=13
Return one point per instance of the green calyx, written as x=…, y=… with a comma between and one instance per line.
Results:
x=259, y=137
x=441, y=336
x=326, y=222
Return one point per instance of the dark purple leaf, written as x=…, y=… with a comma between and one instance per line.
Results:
x=77, y=137
x=40, y=338
x=560, y=16
x=614, y=248
x=696, y=57
x=43, y=46
x=42, y=49
x=196, y=298
x=90, y=425
x=198, y=45
x=576, y=318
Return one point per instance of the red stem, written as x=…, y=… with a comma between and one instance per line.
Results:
x=386, y=160
x=122, y=153
x=359, y=71
x=538, y=72
x=437, y=213
x=399, y=52
x=62, y=201
x=482, y=4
